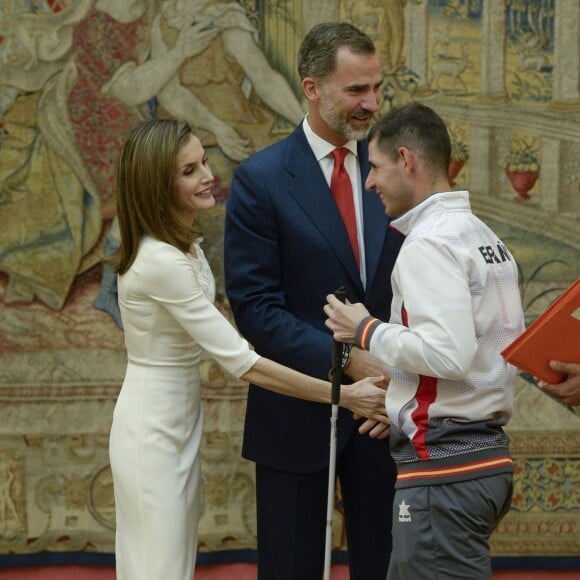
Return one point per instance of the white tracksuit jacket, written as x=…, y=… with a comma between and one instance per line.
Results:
x=456, y=305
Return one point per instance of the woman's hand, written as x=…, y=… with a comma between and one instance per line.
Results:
x=366, y=398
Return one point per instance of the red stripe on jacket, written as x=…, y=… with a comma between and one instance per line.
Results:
x=425, y=396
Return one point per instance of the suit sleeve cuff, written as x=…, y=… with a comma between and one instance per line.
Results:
x=364, y=332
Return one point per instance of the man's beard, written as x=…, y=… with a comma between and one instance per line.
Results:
x=339, y=124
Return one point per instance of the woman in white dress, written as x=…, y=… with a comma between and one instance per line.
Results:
x=166, y=294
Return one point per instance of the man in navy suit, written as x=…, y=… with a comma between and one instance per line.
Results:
x=286, y=248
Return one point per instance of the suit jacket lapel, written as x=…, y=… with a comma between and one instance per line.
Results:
x=310, y=190
x=375, y=220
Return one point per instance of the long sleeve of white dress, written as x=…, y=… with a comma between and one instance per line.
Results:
x=167, y=293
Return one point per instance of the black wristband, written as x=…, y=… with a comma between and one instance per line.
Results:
x=346, y=348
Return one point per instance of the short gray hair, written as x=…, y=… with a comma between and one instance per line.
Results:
x=317, y=54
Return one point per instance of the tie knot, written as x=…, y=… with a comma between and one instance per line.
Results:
x=339, y=154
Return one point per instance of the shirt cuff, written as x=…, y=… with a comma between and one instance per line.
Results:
x=364, y=332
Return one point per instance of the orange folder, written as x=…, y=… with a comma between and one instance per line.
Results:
x=554, y=335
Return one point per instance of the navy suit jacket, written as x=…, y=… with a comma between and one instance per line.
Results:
x=286, y=248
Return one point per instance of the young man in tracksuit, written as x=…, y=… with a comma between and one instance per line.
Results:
x=456, y=305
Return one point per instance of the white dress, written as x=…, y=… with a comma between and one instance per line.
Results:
x=166, y=300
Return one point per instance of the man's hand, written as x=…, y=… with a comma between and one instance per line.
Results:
x=363, y=364
x=343, y=319
x=568, y=391
x=374, y=429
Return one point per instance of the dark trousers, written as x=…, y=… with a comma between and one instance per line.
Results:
x=291, y=514
x=443, y=531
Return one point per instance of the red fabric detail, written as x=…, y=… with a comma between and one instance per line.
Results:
x=404, y=316
x=56, y=6
x=341, y=188
x=470, y=467
x=101, y=122
x=426, y=394
x=364, y=335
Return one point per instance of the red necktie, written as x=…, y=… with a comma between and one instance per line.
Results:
x=342, y=192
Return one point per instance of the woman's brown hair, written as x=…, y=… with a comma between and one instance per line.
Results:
x=144, y=186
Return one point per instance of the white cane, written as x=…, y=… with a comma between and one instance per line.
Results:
x=336, y=379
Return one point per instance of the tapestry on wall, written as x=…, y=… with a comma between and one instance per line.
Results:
x=77, y=75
